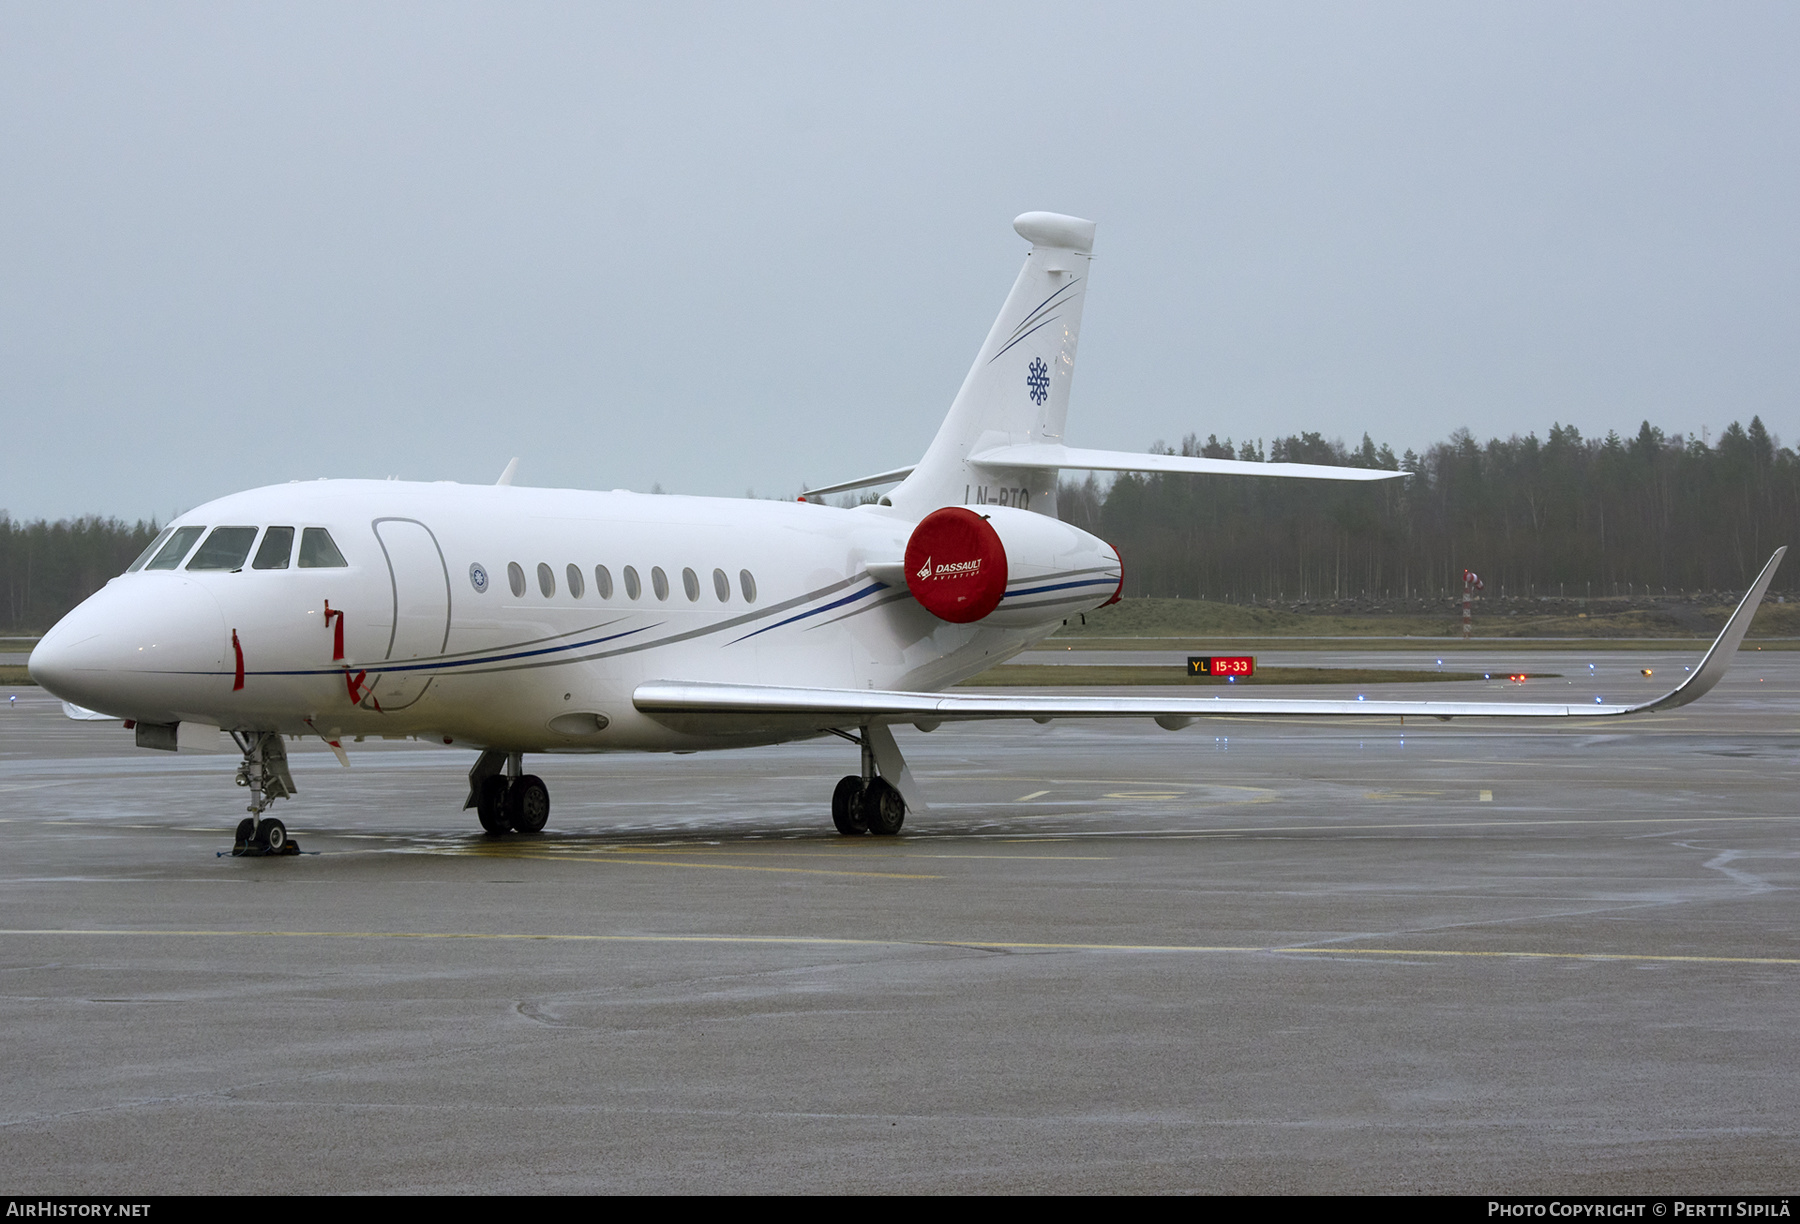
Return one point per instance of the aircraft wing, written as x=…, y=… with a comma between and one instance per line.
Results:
x=752, y=708
x=1055, y=455
x=862, y=482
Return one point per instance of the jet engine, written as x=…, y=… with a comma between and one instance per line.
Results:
x=1008, y=567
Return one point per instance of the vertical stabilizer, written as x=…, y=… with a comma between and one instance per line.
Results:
x=1018, y=389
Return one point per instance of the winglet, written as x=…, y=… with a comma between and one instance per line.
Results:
x=1717, y=660
x=507, y=475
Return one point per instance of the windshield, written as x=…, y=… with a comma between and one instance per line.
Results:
x=225, y=549
x=176, y=548
x=149, y=552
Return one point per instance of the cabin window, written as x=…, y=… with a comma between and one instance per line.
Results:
x=602, y=582
x=276, y=547
x=690, y=584
x=176, y=548
x=633, y=588
x=515, y=578
x=659, y=582
x=225, y=549
x=747, y=584
x=577, y=586
x=721, y=586
x=546, y=580
x=317, y=551
x=149, y=552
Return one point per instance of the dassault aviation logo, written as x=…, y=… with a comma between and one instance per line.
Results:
x=949, y=569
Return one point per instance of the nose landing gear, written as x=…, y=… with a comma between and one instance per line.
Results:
x=509, y=801
x=265, y=772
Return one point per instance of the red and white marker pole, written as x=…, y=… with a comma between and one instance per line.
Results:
x=1471, y=584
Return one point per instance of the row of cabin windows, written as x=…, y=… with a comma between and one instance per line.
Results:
x=227, y=548
x=634, y=587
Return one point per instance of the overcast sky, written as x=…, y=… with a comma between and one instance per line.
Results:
x=732, y=247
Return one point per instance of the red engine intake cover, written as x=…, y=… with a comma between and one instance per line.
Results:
x=956, y=565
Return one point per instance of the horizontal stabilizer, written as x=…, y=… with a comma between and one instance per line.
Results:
x=1041, y=455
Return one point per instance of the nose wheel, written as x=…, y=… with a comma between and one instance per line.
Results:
x=264, y=772
x=261, y=838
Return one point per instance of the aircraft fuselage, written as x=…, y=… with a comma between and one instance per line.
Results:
x=522, y=619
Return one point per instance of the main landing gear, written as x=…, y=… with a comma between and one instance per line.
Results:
x=509, y=801
x=265, y=772
x=868, y=802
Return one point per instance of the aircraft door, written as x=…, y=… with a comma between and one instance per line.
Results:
x=421, y=592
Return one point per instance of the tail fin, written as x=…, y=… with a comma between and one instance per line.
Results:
x=1017, y=392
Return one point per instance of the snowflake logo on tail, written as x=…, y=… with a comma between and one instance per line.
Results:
x=1037, y=381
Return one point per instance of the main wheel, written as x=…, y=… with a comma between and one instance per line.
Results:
x=490, y=804
x=527, y=803
x=272, y=836
x=846, y=806
x=883, y=810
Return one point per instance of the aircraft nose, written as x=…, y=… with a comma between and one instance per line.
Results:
x=134, y=647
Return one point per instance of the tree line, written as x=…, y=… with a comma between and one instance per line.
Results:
x=1558, y=516
x=1564, y=515
x=47, y=568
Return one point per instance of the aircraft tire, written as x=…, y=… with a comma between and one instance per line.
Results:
x=846, y=806
x=883, y=810
x=272, y=836
x=490, y=805
x=528, y=804
x=245, y=831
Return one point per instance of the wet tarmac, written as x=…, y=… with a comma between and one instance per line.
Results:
x=1246, y=956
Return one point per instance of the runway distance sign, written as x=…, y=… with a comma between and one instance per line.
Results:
x=1221, y=665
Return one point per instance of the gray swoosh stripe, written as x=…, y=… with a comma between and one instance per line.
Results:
x=704, y=630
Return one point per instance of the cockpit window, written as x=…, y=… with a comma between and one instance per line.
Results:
x=225, y=549
x=277, y=546
x=318, y=552
x=149, y=552
x=172, y=552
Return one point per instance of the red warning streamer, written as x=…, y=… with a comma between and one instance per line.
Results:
x=337, y=641
x=239, y=652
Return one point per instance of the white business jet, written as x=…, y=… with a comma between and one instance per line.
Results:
x=513, y=620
